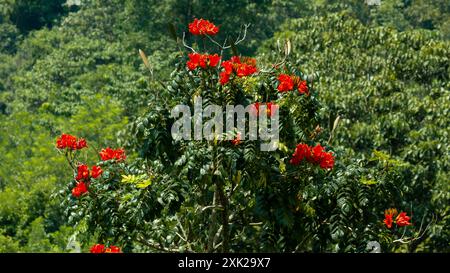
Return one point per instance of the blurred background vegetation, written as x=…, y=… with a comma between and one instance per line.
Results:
x=73, y=66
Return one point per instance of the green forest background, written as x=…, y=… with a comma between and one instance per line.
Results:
x=73, y=66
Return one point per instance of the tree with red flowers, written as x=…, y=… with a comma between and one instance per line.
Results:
x=223, y=194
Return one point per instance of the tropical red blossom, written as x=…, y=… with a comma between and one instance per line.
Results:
x=81, y=143
x=327, y=161
x=82, y=172
x=202, y=60
x=388, y=220
x=402, y=220
x=303, y=88
x=302, y=151
x=237, y=140
x=70, y=142
x=96, y=171
x=100, y=248
x=224, y=77
x=241, y=67
x=203, y=27
x=315, y=155
x=113, y=249
x=108, y=154
x=286, y=83
x=388, y=215
x=79, y=189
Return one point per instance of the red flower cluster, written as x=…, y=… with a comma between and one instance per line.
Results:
x=288, y=82
x=237, y=140
x=202, y=60
x=203, y=27
x=83, y=178
x=315, y=155
x=99, y=248
x=71, y=142
x=242, y=68
x=108, y=154
x=80, y=189
x=84, y=174
x=401, y=220
x=270, y=109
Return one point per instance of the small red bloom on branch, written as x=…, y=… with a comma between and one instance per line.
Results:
x=302, y=151
x=79, y=189
x=202, y=60
x=402, y=220
x=82, y=172
x=315, y=155
x=113, y=249
x=81, y=143
x=287, y=83
x=70, y=142
x=241, y=68
x=96, y=171
x=303, y=88
x=237, y=140
x=108, y=154
x=203, y=27
x=388, y=215
x=99, y=248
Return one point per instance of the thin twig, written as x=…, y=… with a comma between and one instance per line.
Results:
x=239, y=39
x=184, y=43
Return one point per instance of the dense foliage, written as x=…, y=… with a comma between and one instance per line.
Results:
x=379, y=85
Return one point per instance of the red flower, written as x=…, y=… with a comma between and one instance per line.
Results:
x=224, y=77
x=202, y=60
x=81, y=143
x=303, y=88
x=203, y=27
x=71, y=142
x=244, y=67
x=66, y=141
x=235, y=59
x=302, y=151
x=113, y=249
x=228, y=65
x=402, y=220
x=324, y=159
x=79, y=189
x=82, y=172
x=237, y=140
x=388, y=214
x=108, y=154
x=213, y=60
x=327, y=161
x=96, y=171
x=286, y=83
x=315, y=155
x=388, y=220
x=98, y=248
x=194, y=59
x=241, y=68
